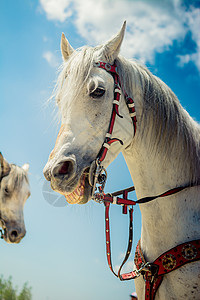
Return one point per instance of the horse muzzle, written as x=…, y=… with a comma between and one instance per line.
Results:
x=12, y=233
x=69, y=179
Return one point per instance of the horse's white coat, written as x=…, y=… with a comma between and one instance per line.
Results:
x=14, y=191
x=163, y=154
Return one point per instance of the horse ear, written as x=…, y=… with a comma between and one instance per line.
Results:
x=5, y=167
x=66, y=48
x=111, y=48
x=25, y=167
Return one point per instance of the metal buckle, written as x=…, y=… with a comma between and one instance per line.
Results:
x=143, y=268
x=100, y=178
x=98, y=197
x=151, y=268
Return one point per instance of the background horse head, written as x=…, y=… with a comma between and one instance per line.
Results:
x=164, y=153
x=14, y=191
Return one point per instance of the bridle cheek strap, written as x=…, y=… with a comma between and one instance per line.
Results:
x=112, y=69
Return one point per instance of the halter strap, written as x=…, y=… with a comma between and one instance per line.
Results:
x=112, y=69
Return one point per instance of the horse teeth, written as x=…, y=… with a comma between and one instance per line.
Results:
x=77, y=195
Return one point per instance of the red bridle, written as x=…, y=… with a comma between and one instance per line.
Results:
x=112, y=69
x=152, y=272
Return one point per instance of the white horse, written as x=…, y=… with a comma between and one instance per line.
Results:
x=163, y=154
x=14, y=191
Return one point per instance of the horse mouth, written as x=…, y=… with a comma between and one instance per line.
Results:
x=77, y=195
x=82, y=192
x=79, y=190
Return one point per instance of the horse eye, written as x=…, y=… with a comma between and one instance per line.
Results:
x=99, y=92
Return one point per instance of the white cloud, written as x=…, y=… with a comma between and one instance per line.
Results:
x=193, y=21
x=185, y=59
x=51, y=59
x=152, y=25
x=56, y=9
x=150, y=28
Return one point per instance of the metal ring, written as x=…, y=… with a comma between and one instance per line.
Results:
x=97, y=64
x=108, y=67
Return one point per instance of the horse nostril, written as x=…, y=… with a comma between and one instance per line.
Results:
x=13, y=235
x=64, y=168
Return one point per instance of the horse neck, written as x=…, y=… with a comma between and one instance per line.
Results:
x=154, y=171
x=165, y=221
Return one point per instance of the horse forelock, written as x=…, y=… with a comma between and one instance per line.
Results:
x=17, y=177
x=76, y=71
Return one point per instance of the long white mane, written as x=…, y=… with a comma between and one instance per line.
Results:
x=164, y=124
x=164, y=121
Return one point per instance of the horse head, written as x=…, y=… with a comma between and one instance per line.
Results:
x=14, y=191
x=85, y=96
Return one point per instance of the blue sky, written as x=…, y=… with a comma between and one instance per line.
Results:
x=63, y=254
